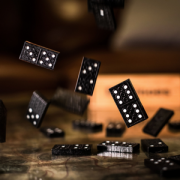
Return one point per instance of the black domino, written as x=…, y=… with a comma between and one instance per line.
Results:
x=155, y=125
x=163, y=166
x=175, y=125
x=116, y=146
x=111, y=3
x=115, y=155
x=87, y=76
x=39, y=55
x=52, y=132
x=128, y=103
x=154, y=145
x=114, y=129
x=176, y=159
x=72, y=149
x=70, y=101
x=37, y=109
x=3, y=118
x=90, y=126
x=104, y=16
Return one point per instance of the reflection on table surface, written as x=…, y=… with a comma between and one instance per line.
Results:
x=27, y=152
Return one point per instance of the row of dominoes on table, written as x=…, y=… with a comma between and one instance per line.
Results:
x=165, y=166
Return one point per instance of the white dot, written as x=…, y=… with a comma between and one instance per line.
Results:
x=44, y=53
x=127, y=115
x=159, y=160
x=159, y=142
x=117, y=142
x=27, y=116
x=167, y=161
x=47, y=59
x=171, y=164
x=95, y=64
x=87, y=145
x=34, y=122
x=62, y=146
x=130, y=97
x=113, y=144
x=30, y=53
x=107, y=141
x=84, y=71
x=101, y=12
x=124, y=142
x=130, y=121
x=57, y=130
x=124, y=110
x=50, y=65
x=32, y=116
x=151, y=159
x=50, y=131
x=134, y=105
x=33, y=59
x=115, y=91
x=137, y=110
x=41, y=62
x=125, y=87
x=30, y=110
x=139, y=116
x=53, y=56
x=89, y=68
x=118, y=97
x=77, y=145
x=163, y=158
x=156, y=162
x=118, y=126
x=37, y=116
x=130, y=145
x=27, y=47
x=110, y=126
x=164, y=168
x=152, y=145
x=80, y=88
x=91, y=81
x=103, y=143
x=128, y=92
x=120, y=102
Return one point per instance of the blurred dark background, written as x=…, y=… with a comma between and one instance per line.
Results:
x=147, y=40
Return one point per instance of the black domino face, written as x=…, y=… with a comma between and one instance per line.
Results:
x=128, y=103
x=114, y=129
x=87, y=76
x=70, y=101
x=154, y=145
x=104, y=16
x=163, y=166
x=39, y=55
x=72, y=149
x=52, y=132
x=176, y=159
x=116, y=146
x=36, y=109
x=155, y=125
x=87, y=125
x=3, y=117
